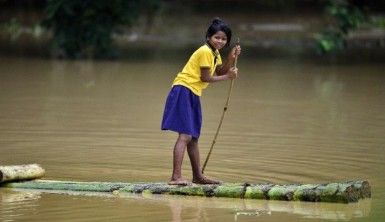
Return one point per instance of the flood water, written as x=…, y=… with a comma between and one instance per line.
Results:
x=289, y=121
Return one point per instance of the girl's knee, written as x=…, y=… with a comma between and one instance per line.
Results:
x=185, y=138
x=194, y=140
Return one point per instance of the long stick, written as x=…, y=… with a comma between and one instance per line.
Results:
x=223, y=115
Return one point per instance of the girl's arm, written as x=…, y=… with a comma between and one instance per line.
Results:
x=223, y=69
x=206, y=77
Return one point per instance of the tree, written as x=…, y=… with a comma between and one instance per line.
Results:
x=84, y=28
x=347, y=17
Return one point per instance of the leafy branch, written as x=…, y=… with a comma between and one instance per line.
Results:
x=347, y=17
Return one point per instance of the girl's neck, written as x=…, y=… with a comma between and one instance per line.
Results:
x=211, y=47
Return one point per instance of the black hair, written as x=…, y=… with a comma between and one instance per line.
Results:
x=219, y=25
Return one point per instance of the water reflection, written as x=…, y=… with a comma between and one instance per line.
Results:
x=241, y=207
x=14, y=203
x=18, y=203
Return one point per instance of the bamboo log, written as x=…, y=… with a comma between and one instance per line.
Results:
x=344, y=192
x=20, y=172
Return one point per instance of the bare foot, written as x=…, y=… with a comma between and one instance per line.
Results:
x=205, y=180
x=180, y=182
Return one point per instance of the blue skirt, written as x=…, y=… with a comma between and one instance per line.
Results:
x=182, y=112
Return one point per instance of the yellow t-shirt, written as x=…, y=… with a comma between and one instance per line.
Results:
x=190, y=76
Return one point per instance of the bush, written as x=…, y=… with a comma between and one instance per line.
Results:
x=347, y=17
x=84, y=28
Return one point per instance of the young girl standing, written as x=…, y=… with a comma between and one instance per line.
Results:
x=182, y=112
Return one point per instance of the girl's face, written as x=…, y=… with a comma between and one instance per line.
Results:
x=218, y=40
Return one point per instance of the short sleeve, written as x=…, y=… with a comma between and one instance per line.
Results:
x=205, y=58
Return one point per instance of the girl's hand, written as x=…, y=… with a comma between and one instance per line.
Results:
x=235, y=51
x=232, y=73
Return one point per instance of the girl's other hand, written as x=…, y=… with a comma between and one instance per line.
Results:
x=232, y=73
x=235, y=51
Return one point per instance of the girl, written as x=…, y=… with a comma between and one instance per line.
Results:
x=182, y=112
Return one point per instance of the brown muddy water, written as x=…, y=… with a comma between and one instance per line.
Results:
x=288, y=122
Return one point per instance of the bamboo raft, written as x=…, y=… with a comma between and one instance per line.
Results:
x=26, y=177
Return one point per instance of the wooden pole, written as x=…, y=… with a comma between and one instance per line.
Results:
x=223, y=115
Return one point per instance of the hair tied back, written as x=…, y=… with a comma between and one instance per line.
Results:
x=216, y=21
x=218, y=25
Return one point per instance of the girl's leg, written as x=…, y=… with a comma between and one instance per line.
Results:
x=193, y=152
x=179, y=149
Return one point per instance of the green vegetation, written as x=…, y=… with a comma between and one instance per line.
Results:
x=13, y=27
x=347, y=17
x=88, y=29
x=85, y=28
x=378, y=21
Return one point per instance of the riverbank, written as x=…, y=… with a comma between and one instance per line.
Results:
x=263, y=34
